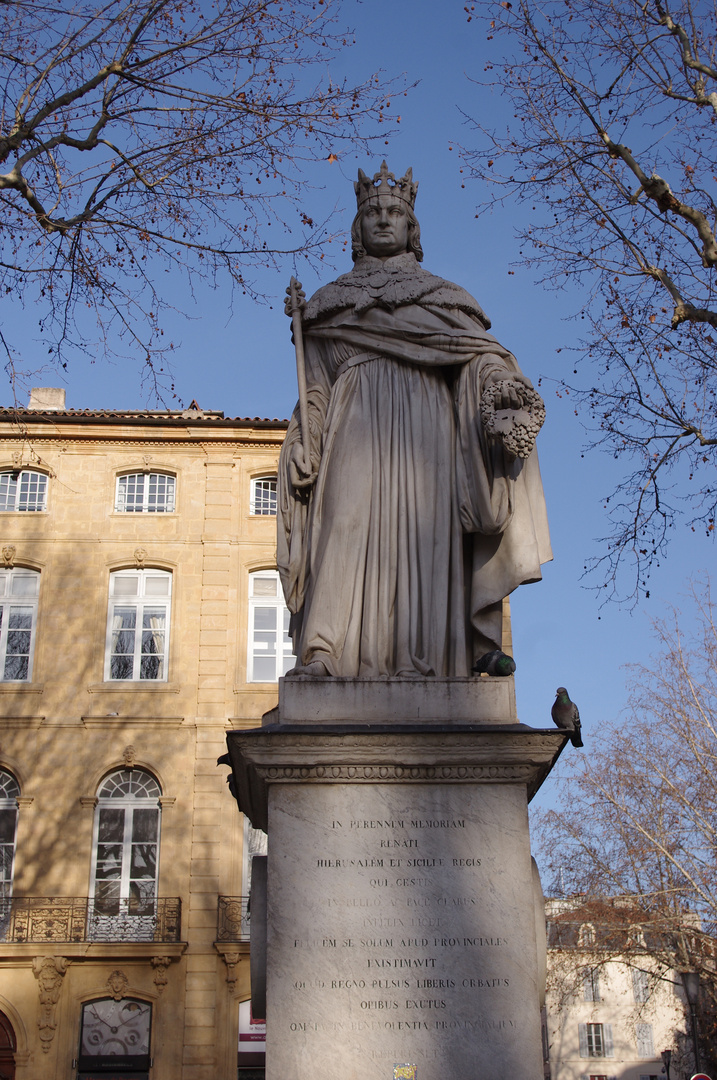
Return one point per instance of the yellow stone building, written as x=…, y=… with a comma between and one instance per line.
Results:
x=140, y=618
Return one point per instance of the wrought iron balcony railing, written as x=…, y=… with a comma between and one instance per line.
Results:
x=233, y=918
x=78, y=919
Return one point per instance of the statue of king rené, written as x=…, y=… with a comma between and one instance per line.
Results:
x=421, y=506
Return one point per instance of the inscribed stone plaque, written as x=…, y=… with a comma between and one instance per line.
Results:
x=401, y=930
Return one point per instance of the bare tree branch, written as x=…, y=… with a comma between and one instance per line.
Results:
x=133, y=132
x=613, y=143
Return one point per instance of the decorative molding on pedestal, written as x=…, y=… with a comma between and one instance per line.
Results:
x=49, y=972
x=407, y=754
x=89, y=800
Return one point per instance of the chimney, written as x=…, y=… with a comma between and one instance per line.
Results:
x=47, y=399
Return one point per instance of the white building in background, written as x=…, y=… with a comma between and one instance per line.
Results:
x=612, y=1006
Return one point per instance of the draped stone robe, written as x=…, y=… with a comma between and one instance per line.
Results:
x=418, y=525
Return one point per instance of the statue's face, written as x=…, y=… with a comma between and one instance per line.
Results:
x=384, y=226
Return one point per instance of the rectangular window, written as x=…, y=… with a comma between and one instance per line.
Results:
x=644, y=1040
x=263, y=495
x=270, y=649
x=19, y=591
x=25, y=490
x=591, y=984
x=640, y=985
x=138, y=625
x=596, y=1046
x=595, y=1040
x=145, y=493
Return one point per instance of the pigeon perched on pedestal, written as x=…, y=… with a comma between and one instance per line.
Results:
x=566, y=716
x=495, y=663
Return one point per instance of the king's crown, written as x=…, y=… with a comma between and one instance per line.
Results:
x=385, y=183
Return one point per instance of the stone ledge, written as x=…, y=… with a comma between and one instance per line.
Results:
x=474, y=700
x=415, y=754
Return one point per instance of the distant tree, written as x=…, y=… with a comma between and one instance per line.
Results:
x=140, y=136
x=636, y=833
x=613, y=146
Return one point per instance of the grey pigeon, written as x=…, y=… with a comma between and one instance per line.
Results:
x=495, y=663
x=566, y=716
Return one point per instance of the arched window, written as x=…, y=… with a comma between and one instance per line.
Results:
x=9, y=791
x=145, y=493
x=586, y=936
x=23, y=489
x=115, y=1038
x=126, y=856
x=138, y=625
x=263, y=495
x=270, y=649
x=19, y=592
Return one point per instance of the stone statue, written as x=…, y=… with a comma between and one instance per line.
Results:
x=421, y=506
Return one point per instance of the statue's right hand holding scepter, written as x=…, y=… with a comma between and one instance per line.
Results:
x=300, y=469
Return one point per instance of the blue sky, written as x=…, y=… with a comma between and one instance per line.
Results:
x=243, y=362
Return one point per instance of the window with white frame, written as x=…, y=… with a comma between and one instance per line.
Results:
x=126, y=852
x=9, y=792
x=586, y=936
x=138, y=625
x=644, y=1040
x=270, y=649
x=640, y=985
x=591, y=984
x=19, y=592
x=23, y=489
x=595, y=1040
x=145, y=493
x=263, y=495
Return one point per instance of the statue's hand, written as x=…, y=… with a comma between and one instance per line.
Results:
x=295, y=298
x=511, y=395
x=299, y=471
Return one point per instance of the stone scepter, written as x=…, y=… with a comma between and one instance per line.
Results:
x=295, y=303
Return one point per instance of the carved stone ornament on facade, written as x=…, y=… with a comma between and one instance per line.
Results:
x=118, y=983
x=160, y=965
x=231, y=959
x=49, y=972
x=8, y=555
x=140, y=557
x=129, y=756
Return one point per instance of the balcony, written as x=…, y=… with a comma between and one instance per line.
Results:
x=233, y=918
x=80, y=919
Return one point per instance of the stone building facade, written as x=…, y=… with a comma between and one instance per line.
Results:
x=140, y=618
x=614, y=999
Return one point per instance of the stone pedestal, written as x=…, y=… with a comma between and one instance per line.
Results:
x=401, y=923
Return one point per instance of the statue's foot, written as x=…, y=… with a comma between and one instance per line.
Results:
x=315, y=668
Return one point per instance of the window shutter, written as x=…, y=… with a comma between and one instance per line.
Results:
x=607, y=1040
x=583, y=1036
x=645, y=1042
